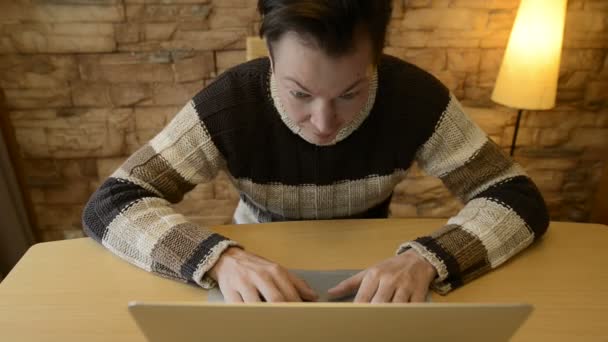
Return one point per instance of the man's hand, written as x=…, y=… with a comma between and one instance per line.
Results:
x=401, y=279
x=243, y=277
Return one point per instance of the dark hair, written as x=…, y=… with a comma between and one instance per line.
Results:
x=331, y=24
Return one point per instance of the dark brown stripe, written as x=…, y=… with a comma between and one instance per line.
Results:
x=453, y=269
x=166, y=272
x=486, y=164
x=466, y=248
x=178, y=245
x=159, y=173
x=142, y=155
x=476, y=271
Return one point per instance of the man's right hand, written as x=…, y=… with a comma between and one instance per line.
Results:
x=246, y=277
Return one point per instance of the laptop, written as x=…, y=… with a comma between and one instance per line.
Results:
x=340, y=320
x=315, y=322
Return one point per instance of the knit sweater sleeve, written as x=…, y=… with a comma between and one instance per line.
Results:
x=504, y=211
x=130, y=212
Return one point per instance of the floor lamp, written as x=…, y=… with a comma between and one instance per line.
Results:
x=528, y=75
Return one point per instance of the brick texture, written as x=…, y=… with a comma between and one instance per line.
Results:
x=89, y=82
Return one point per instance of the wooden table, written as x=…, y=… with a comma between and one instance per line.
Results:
x=75, y=290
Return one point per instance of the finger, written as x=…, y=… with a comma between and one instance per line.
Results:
x=384, y=293
x=305, y=291
x=231, y=296
x=419, y=295
x=347, y=287
x=269, y=290
x=366, y=291
x=401, y=296
x=287, y=288
x=250, y=295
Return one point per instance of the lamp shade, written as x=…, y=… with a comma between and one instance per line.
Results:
x=530, y=68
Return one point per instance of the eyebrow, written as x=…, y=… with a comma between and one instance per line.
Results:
x=308, y=91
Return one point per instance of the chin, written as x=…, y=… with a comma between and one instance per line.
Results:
x=323, y=141
x=320, y=140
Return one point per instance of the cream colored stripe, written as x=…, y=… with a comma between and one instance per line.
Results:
x=187, y=146
x=321, y=202
x=244, y=215
x=441, y=287
x=181, y=123
x=455, y=140
x=134, y=232
x=502, y=232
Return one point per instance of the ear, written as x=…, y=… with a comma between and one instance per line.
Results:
x=271, y=63
x=270, y=56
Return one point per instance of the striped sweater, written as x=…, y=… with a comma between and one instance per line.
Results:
x=238, y=125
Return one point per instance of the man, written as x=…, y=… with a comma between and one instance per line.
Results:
x=324, y=128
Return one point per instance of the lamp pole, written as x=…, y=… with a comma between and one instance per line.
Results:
x=519, y=112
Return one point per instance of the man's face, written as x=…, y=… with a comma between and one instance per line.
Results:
x=321, y=94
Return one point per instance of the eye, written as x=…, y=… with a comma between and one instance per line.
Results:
x=299, y=94
x=349, y=96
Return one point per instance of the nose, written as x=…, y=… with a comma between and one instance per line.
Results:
x=323, y=117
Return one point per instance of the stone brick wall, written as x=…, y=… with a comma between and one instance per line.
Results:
x=89, y=81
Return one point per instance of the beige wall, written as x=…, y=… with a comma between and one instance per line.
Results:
x=88, y=82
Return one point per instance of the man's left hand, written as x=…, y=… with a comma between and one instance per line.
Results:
x=401, y=279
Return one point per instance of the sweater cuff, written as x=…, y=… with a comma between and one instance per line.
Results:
x=440, y=285
x=200, y=276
